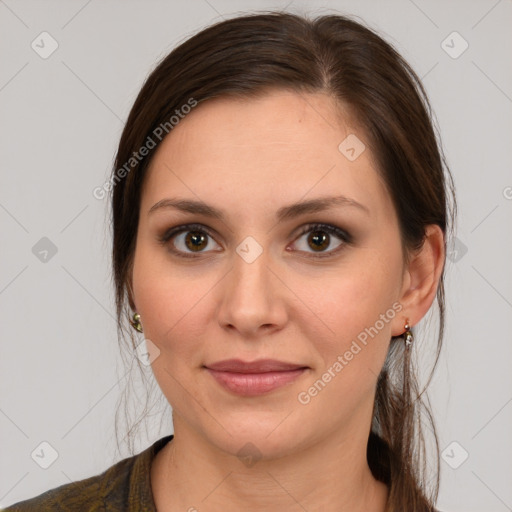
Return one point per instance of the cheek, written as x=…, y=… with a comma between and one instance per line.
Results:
x=173, y=316
x=351, y=351
x=350, y=298
x=170, y=301
x=350, y=311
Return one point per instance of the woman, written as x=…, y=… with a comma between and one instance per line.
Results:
x=276, y=251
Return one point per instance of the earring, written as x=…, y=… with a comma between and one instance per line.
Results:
x=135, y=323
x=408, y=336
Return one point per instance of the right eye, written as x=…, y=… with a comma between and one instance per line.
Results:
x=187, y=241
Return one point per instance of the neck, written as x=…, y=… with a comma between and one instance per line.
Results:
x=331, y=475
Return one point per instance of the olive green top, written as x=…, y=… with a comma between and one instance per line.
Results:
x=124, y=486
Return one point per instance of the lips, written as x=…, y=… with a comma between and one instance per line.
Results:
x=254, y=378
x=260, y=366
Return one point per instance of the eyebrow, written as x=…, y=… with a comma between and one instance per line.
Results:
x=284, y=213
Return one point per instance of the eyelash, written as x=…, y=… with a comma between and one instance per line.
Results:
x=344, y=236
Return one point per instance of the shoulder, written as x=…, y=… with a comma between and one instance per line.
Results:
x=105, y=491
x=120, y=487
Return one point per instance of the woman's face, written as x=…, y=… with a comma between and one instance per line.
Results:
x=259, y=283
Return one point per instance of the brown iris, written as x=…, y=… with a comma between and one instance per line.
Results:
x=196, y=239
x=319, y=238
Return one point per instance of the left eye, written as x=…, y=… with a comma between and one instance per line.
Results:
x=320, y=237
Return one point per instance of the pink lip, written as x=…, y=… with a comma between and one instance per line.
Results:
x=254, y=378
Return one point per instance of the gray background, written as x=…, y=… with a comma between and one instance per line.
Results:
x=61, y=118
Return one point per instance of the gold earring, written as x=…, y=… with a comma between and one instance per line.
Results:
x=135, y=323
x=408, y=336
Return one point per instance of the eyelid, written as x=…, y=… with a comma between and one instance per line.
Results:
x=343, y=235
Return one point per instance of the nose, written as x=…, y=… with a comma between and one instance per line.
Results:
x=253, y=297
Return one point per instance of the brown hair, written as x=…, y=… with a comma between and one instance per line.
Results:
x=244, y=57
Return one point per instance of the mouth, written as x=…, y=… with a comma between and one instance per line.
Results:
x=254, y=378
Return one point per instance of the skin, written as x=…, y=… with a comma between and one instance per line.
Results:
x=250, y=158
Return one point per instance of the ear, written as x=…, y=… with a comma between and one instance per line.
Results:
x=421, y=279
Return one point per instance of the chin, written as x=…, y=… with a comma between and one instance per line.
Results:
x=262, y=439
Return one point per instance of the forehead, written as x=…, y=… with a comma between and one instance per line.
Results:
x=264, y=151
x=279, y=118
